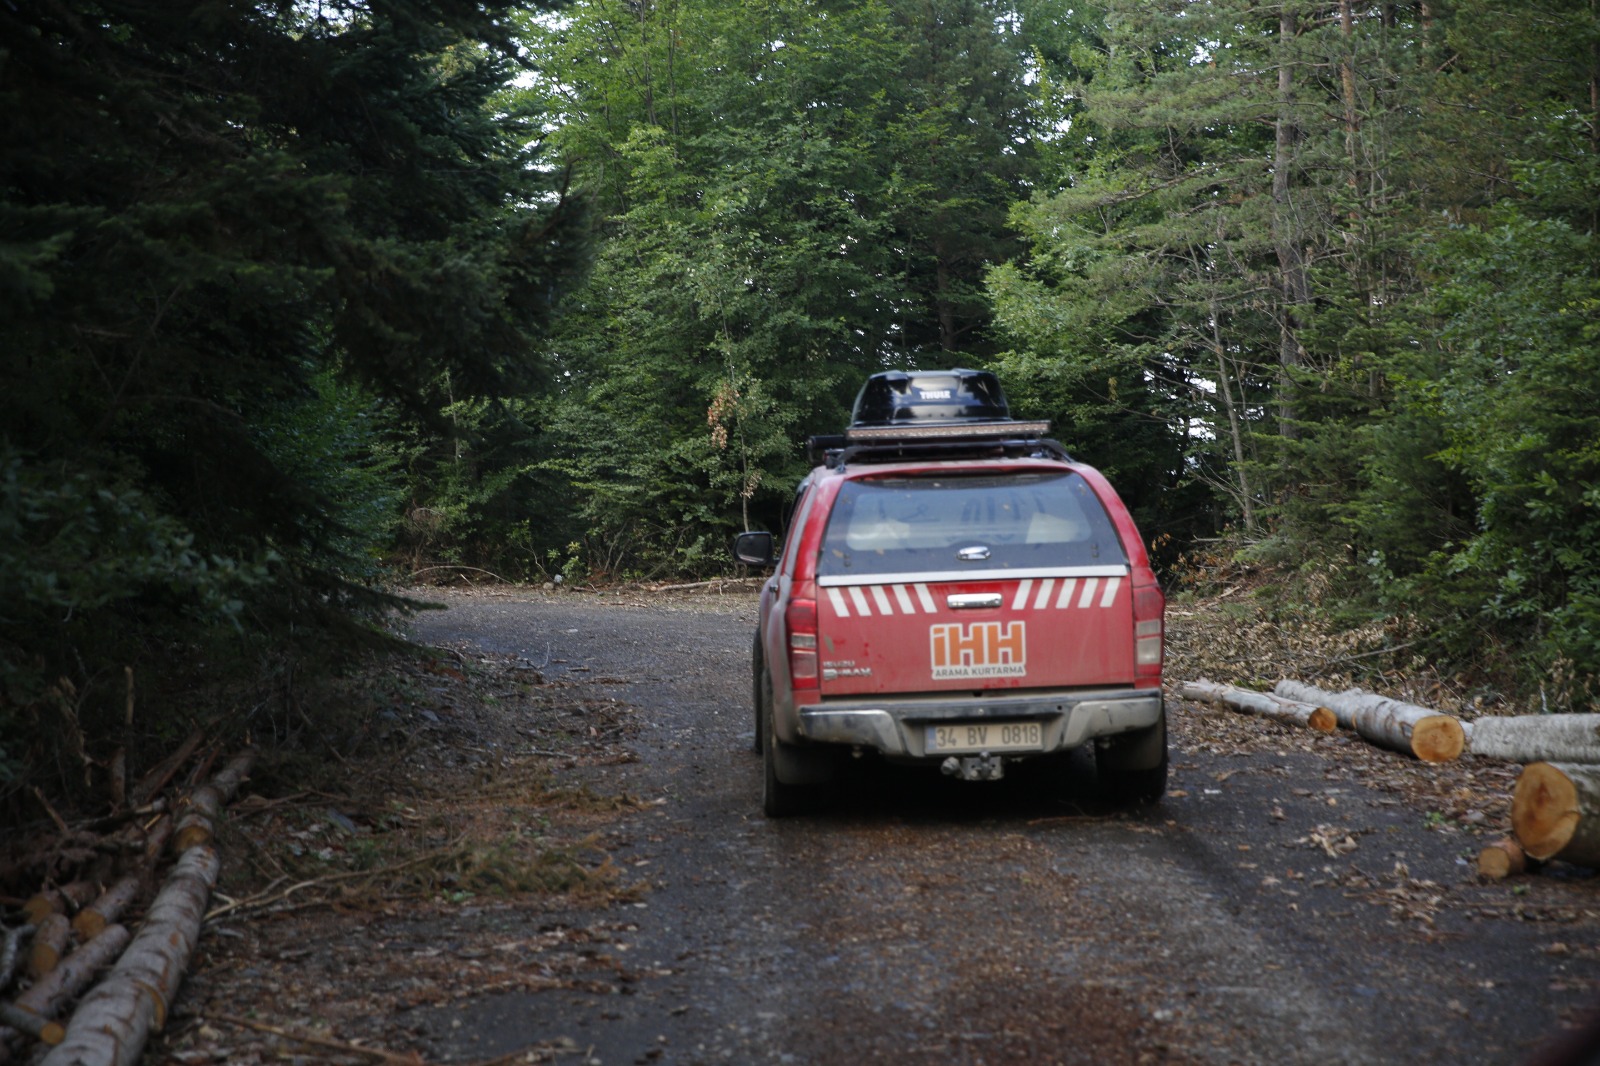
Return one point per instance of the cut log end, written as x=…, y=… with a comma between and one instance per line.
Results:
x=1439, y=738
x=89, y=924
x=1502, y=859
x=1323, y=720
x=49, y=945
x=1544, y=810
x=191, y=836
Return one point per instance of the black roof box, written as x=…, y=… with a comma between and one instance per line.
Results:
x=932, y=414
x=898, y=398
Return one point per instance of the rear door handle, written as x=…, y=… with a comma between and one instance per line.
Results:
x=970, y=600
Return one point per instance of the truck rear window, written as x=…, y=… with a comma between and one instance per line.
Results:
x=981, y=522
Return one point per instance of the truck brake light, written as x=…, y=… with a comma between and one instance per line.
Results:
x=800, y=624
x=1148, y=607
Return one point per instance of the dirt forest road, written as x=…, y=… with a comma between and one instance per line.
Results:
x=1293, y=900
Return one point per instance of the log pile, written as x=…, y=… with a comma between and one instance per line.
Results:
x=1308, y=715
x=71, y=934
x=1555, y=807
x=1429, y=735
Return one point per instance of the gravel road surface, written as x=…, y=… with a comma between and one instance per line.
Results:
x=1295, y=899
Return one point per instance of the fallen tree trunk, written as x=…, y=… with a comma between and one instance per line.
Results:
x=1555, y=812
x=58, y=900
x=53, y=991
x=111, y=1025
x=198, y=823
x=155, y=840
x=31, y=1024
x=49, y=944
x=1537, y=738
x=1430, y=735
x=11, y=951
x=108, y=908
x=1269, y=705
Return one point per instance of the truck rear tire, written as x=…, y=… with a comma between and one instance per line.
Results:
x=778, y=799
x=1132, y=768
x=790, y=775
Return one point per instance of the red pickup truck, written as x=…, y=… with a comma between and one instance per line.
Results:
x=955, y=591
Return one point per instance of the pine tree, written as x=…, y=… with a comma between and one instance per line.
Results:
x=207, y=210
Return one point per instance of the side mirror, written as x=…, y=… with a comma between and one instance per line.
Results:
x=754, y=549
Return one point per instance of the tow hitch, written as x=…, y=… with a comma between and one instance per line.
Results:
x=983, y=767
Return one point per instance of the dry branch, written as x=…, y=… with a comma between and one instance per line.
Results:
x=55, y=816
x=1405, y=727
x=1537, y=738
x=162, y=772
x=267, y=899
x=719, y=582
x=112, y=1023
x=122, y=818
x=1269, y=705
x=117, y=779
x=376, y=1054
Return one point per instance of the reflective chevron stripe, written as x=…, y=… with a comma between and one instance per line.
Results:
x=1047, y=594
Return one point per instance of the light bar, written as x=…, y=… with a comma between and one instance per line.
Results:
x=944, y=431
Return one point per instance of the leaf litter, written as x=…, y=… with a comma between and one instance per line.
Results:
x=456, y=858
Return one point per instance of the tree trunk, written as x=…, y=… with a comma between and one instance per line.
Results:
x=1278, y=708
x=1537, y=738
x=1347, y=85
x=1292, y=281
x=52, y=992
x=1405, y=727
x=1555, y=812
x=1225, y=389
x=112, y=1023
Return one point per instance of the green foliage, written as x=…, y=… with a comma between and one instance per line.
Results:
x=335, y=442
x=1348, y=268
x=237, y=246
x=793, y=197
x=1513, y=395
x=71, y=543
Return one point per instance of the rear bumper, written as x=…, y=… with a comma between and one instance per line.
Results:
x=898, y=727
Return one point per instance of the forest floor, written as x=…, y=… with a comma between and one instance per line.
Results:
x=560, y=777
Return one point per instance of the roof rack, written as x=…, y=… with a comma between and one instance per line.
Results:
x=940, y=414
x=837, y=452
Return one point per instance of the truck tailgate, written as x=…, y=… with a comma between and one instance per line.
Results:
x=1068, y=627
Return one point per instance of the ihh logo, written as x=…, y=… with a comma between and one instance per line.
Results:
x=982, y=649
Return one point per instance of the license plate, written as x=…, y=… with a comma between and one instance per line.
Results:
x=985, y=736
